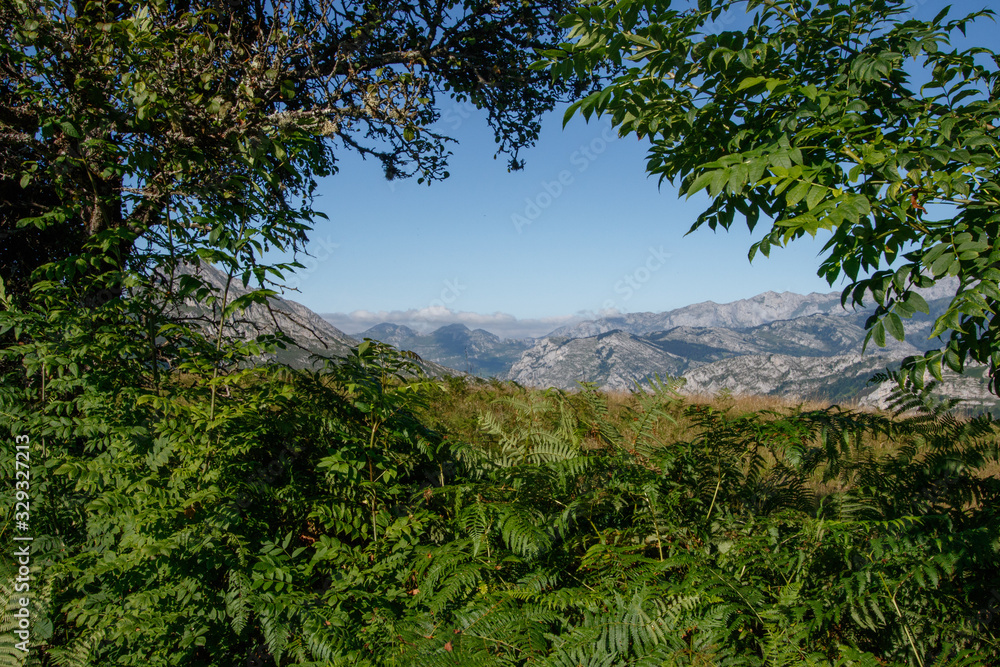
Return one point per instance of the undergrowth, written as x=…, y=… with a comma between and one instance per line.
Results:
x=358, y=515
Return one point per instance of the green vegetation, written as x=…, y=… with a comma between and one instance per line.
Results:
x=851, y=117
x=192, y=506
x=350, y=517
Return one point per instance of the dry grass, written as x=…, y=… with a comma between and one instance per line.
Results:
x=747, y=404
x=457, y=413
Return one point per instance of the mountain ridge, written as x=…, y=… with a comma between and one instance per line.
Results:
x=776, y=343
x=314, y=335
x=475, y=351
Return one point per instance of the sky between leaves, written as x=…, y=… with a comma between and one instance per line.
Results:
x=581, y=232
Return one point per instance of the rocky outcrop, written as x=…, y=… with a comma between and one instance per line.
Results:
x=830, y=378
x=614, y=361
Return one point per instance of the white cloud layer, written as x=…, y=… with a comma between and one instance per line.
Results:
x=425, y=320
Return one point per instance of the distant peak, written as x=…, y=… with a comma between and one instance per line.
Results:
x=453, y=328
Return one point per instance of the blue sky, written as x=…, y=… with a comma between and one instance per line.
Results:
x=581, y=231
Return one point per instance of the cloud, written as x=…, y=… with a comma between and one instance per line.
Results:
x=425, y=320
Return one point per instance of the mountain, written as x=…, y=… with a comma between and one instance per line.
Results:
x=312, y=332
x=835, y=378
x=790, y=345
x=475, y=351
x=814, y=354
x=766, y=307
x=809, y=336
x=742, y=314
x=811, y=341
x=823, y=365
x=615, y=360
x=314, y=335
x=396, y=335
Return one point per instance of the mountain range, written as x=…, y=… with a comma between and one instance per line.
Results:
x=813, y=356
x=785, y=344
x=473, y=351
x=741, y=314
x=315, y=337
x=791, y=345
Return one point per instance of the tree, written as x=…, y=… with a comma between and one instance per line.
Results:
x=139, y=138
x=854, y=118
x=133, y=126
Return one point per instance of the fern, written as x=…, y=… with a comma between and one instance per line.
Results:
x=601, y=423
x=80, y=652
x=556, y=529
x=10, y=654
x=906, y=395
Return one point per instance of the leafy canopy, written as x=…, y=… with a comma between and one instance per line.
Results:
x=136, y=131
x=852, y=118
x=140, y=138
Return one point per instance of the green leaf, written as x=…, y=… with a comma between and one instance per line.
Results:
x=737, y=178
x=894, y=325
x=720, y=177
x=640, y=40
x=917, y=302
x=69, y=130
x=815, y=196
x=934, y=367
x=749, y=82
x=942, y=264
x=878, y=333
x=700, y=183
x=953, y=359
x=796, y=194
